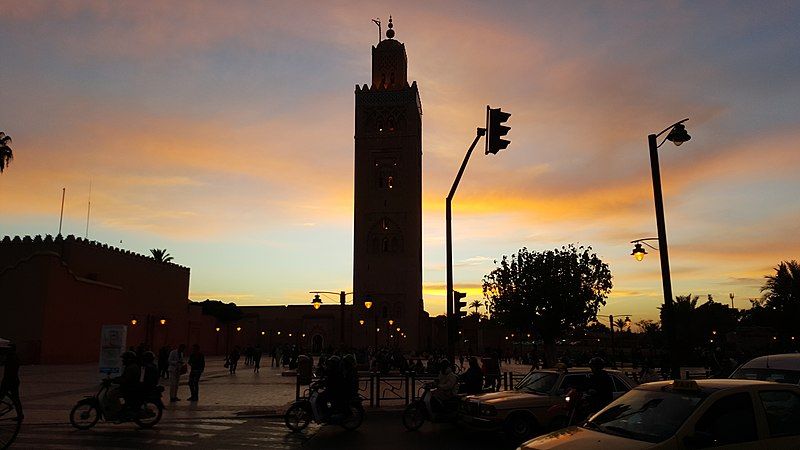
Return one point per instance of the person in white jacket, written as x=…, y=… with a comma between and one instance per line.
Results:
x=175, y=365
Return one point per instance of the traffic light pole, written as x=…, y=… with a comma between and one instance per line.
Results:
x=451, y=337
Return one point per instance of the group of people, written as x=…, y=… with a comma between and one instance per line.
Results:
x=172, y=364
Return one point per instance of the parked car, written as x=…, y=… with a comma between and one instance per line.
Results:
x=783, y=368
x=526, y=410
x=689, y=414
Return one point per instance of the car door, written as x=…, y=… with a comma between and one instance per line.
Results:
x=620, y=386
x=781, y=409
x=727, y=423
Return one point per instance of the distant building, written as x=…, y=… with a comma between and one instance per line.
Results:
x=56, y=293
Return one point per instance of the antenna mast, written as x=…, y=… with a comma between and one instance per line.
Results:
x=89, y=208
x=378, y=23
x=61, y=217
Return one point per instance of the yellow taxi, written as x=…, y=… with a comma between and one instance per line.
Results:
x=687, y=414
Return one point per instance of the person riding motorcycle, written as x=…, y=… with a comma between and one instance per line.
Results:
x=335, y=385
x=446, y=384
x=128, y=383
x=599, y=387
x=151, y=375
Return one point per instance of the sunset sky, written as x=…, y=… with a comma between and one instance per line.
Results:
x=223, y=132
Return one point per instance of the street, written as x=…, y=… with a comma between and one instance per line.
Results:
x=384, y=430
x=203, y=433
x=381, y=429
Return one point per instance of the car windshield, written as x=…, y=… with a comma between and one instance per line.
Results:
x=644, y=415
x=777, y=375
x=539, y=382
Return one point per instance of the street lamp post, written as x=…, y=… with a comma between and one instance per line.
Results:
x=611, y=325
x=317, y=302
x=677, y=135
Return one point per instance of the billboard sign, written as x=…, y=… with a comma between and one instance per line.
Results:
x=112, y=343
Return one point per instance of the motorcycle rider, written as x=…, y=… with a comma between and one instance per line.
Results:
x=334, y=384
x=446, y=384
x=128, y=383
x=600, y=390
x=350, y=374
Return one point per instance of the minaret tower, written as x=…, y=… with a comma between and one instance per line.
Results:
x=387, y=242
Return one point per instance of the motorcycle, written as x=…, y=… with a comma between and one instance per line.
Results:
x=88, y=411
x=306, y=409
x=421, y=410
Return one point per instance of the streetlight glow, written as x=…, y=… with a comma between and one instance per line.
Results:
x=368, y=304
x=163, y=321
x=361, y=321
x=638, y=252
x=316, y=302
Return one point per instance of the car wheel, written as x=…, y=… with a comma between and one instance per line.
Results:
x=520, y=426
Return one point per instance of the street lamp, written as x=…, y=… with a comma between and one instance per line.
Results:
x=638, y=251
x=676, y=133
x=317, y=302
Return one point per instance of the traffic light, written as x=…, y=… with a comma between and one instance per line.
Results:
x=459, y=305
x=495, y=130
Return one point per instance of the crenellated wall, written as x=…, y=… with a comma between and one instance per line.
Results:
x=56, y=293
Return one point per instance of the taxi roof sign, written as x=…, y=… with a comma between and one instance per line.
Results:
x=685, y=385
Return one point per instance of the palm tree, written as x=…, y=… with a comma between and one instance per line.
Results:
x=161, y=255
x=782, y=295
x=783, y=288
x=476, y=304
x=6, y=155
x=620, y=323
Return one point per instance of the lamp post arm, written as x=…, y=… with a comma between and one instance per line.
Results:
x=671, y=127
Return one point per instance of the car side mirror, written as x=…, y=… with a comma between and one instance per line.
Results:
x=699, y=439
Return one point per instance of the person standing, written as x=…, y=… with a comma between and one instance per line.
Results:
x=176, y=367
x=163, y=362
x=197, y=362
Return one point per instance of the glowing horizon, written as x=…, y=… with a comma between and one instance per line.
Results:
x=232, y=145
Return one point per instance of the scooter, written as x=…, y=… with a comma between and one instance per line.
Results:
x=87, y=412
x=306, y=409
x=421, y=410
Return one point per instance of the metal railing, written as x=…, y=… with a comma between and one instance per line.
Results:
x=377, y=387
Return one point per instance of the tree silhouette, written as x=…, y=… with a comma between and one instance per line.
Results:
x=6, y=155
x=476, y=304
x=620, y=324
x=782, y=294
x=551, y=293
x=161, y=255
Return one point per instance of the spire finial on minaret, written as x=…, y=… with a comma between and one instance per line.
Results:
x=390, y=31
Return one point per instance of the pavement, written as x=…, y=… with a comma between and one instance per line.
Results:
x=48, y=392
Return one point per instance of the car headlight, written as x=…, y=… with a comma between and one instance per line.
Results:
x=488, y=410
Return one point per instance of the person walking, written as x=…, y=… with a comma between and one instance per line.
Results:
x=197, y=362
x=257, y=352
x=176, y=368
x=233, y=360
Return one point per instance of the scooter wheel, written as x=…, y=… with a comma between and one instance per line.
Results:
x=297, y=417
x=354, y=420
x=413, y=416
x=84, y=416
x=150, y=415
